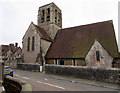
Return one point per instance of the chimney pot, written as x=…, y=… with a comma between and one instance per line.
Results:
x=16, y=44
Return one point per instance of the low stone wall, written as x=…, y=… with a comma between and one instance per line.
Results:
x=29, y=67
x=13, y=85
x=104, y=75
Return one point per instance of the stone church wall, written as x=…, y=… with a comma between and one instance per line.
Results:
x=105, y=59
x=30, y=56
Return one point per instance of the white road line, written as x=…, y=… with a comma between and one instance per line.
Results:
x=17, y=75
x=51, y=85
x=46, y=79
x=25, y=77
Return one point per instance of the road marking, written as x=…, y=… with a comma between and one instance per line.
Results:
x=25, y=77
x=51, y=85
x=17, y=75
x=46, y=79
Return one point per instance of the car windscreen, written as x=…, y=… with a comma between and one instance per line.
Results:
x=7, y=68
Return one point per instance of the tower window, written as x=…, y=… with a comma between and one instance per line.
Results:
x=28, y=48
x=48, y=14
x=97, y=55
x=33, y=43
x=55, y=16
x=42, y=16
x=59, y=18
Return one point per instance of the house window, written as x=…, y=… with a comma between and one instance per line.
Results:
x=33, y=43
x=97, y=55
x=28, y=47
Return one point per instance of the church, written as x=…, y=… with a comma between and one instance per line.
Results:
x=92, y=45
x=38, y=38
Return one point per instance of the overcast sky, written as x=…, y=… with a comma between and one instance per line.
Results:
x=16, y=15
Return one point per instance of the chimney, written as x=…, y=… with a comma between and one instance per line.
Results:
x=16, y=44
x=11, y=46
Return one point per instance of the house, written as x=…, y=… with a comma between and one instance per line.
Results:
x=38, y=38
x=11, y=54
x=92, y=45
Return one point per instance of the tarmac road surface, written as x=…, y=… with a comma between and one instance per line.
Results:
x=45, y=82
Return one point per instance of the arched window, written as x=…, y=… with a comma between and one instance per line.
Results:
x=28, y=45
x=97, y=55
x=42, y=16
x=59, y=18
x=33, y=43
x=48, y=14
x=55, y=16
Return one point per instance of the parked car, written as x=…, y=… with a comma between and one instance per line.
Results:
x=8, y=71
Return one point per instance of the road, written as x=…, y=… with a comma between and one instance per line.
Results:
x=45, y=82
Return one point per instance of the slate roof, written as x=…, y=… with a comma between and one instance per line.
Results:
x=5, y=49
x=75, y=42
x=45, y=36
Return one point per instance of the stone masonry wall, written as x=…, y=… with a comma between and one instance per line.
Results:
x=30, y=56
x=105, y=58
x=97, y=74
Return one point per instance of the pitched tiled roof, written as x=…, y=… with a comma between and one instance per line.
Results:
x=5, y=48
x=75, y=42
x=43, y=33
x=15, y=49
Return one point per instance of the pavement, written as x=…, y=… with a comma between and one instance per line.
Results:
x=85, y=81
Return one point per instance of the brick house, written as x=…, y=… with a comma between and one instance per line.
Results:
x=11, y=54
x=92, y=45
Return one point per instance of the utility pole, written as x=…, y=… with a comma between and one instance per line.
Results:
x=1, y=71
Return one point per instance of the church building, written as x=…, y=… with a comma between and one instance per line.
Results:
x=38, y=38
x=92, y=45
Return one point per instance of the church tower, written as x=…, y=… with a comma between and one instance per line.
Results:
x=50, y=18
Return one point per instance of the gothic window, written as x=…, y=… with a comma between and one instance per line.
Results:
x=42, y=16
x=33, y=43
x=28, y=46
x=48, y=14
x=55, y=16
x=97, y=55
x=59, y=18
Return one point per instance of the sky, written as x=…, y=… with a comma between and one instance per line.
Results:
x=16, y=15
